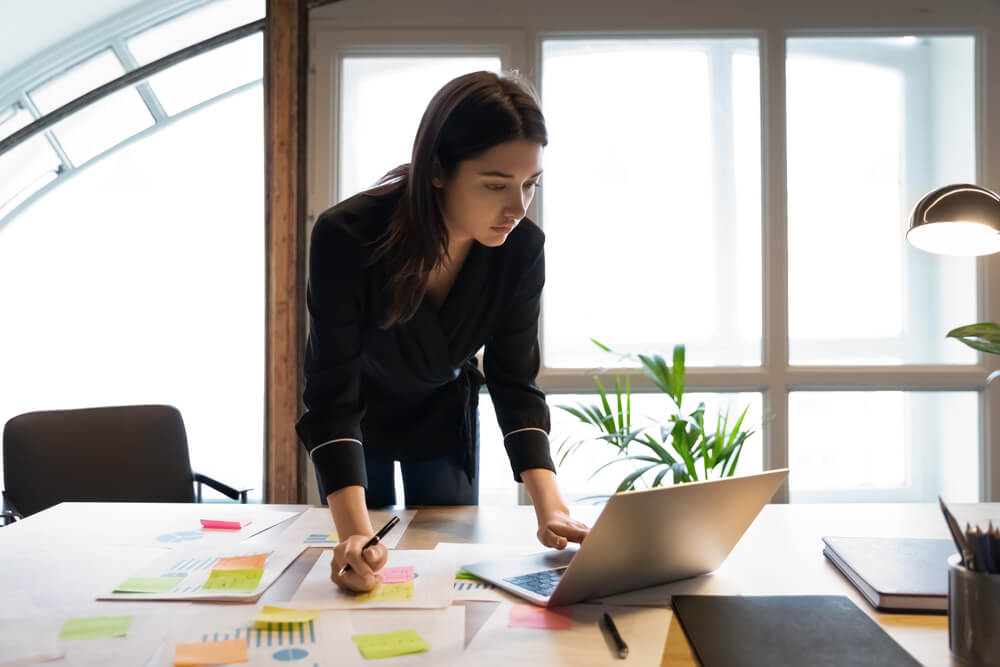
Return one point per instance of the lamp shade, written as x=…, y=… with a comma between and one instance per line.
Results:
x=957, y=220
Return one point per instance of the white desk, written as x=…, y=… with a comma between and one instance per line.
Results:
x=781, y=554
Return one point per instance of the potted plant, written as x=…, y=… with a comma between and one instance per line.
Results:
x=680, y=448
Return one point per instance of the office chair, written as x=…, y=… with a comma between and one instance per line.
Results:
x=135, y=453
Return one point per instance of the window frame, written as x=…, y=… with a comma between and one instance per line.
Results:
x=772, y=23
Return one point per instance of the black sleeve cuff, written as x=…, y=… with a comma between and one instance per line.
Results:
x=528, y=449
x=339, y=464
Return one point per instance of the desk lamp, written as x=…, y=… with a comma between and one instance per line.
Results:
x=960, y=220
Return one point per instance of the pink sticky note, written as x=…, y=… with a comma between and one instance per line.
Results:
x=218, y=524
x=540, y=618
x=396, y=575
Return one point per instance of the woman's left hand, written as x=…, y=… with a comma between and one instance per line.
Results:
x=556, y=529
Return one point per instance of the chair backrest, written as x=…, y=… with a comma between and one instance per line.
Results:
x=125, y=453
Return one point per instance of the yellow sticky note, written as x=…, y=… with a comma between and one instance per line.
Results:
x=389, y=593
x=389, y=644
x=270, y=615
x=211, y=653
x=332, y=537
x=254, y=562
x=233, y=581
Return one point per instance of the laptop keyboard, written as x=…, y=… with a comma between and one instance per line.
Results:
x=543, y=582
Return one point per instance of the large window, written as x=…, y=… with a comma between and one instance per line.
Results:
x=745, y=193
x=132, y=239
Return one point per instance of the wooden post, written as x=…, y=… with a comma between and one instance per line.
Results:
x=285, y=62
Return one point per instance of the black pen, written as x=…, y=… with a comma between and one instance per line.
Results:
x=376, y=538
x=619, y=642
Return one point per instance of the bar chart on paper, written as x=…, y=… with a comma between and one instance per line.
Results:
x=238, y=574
x=278, y=644
x=185, y=566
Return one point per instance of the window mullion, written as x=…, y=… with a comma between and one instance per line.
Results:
x=774, y=227
x=145, y=91
x=67, y=164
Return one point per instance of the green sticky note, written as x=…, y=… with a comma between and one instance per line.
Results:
x=390, y=644
x=233, y=581
x=96, y=627
x=463, y=575
x=148, y=584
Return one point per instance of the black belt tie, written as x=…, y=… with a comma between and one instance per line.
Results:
x=468, y=382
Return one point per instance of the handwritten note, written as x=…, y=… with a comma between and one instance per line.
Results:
x=540, y=618
x=211, y=653
x=254, y=562
x=233, y=581
x=396, y=575
x=388, y=593
x=390, y=644
x=219, y=524
x=270, y=615
x=95, y=627
x=148, y=584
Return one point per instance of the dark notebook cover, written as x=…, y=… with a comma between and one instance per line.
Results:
x=793, y=630
x=895, y=574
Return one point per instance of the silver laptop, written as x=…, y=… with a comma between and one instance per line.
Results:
x=640, y=539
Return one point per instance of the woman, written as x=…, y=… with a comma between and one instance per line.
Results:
x=407, y=282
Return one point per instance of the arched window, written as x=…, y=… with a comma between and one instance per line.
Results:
x=132, y=262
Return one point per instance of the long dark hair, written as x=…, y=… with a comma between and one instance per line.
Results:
x=469, y=115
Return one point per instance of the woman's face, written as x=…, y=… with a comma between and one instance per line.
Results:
x=488, y=195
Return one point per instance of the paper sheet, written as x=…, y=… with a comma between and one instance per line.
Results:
x=134, y=524
x=476, y=589
x=434, y=574
x=314, y=527
x=443, y=629
x=34, y=639
x=323, y=641
x=585, y=643
x=197, y=568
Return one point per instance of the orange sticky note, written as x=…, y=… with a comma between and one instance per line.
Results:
x=254, y=562
x=211, y=653
x=540, y=618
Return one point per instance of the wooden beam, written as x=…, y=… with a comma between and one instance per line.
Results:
x=285, y=62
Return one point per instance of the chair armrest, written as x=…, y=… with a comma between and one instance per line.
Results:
x=9, y=513
x=224, y=489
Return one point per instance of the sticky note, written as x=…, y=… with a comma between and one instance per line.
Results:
x=463, y=575
x=232, y=581
x=390, y=644
x=148, y=584
x=540, y=618
x=219, y=524
x=333, y=537
x=254, y=562
x=389, y=593
x=211, y=653
x=270, y=615
x=95, y=627
x=396, y=575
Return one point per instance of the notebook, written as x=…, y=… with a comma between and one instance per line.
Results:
x=794, y=630
x=895, y=574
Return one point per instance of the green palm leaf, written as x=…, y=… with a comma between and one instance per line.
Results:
x=983, y=336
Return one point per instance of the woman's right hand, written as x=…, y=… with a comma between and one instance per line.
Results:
x=361, y=577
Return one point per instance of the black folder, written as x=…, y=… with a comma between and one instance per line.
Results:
x=793, y=630
x=895, y=574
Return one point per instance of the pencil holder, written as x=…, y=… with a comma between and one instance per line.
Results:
x=973, y=615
